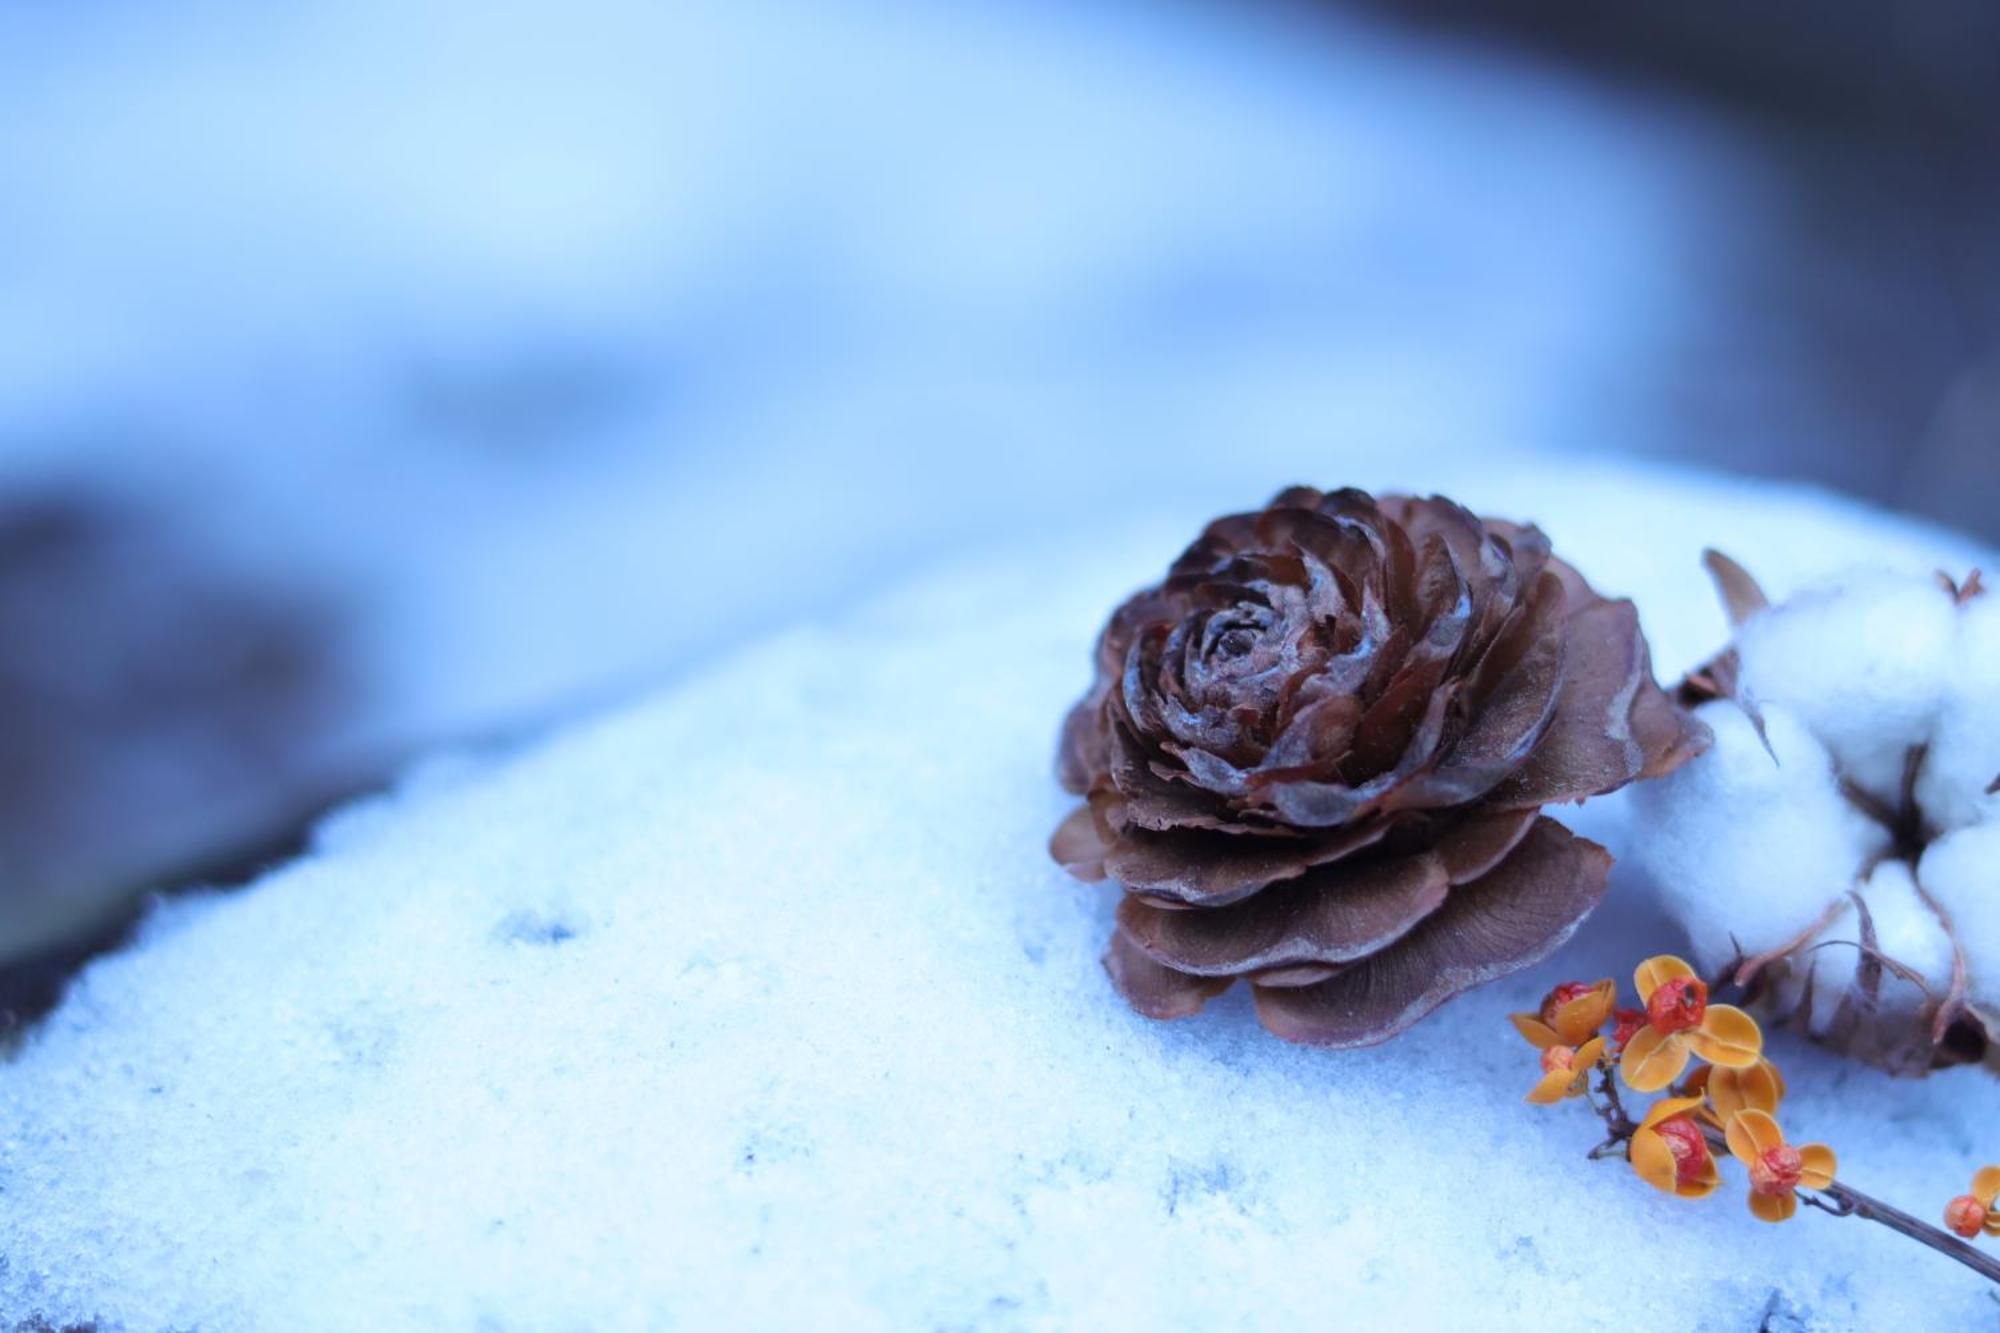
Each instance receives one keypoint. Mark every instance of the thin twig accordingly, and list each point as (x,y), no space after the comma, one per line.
(1854,1203)
(1838,1199)
(1618,1119)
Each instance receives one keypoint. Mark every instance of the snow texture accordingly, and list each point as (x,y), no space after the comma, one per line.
(760,1005)
(1753,845)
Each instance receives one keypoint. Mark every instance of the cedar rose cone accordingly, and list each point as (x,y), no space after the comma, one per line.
(1315,758)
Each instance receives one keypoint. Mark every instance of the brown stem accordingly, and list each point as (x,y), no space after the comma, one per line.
(1622,1125)
(1839,1199)
(1851,1202)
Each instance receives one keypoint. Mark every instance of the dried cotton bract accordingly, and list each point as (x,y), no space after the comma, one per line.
(1838,850)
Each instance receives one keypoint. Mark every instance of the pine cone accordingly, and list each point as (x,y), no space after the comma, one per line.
(1316,754)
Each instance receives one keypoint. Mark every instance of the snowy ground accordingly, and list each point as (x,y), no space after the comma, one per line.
(533,353)
(759,1005)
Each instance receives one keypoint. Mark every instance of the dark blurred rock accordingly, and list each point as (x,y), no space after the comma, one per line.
(1925,70)
(159,715)
(1854,339)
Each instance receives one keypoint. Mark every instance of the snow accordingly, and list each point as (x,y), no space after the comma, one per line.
(758,1004)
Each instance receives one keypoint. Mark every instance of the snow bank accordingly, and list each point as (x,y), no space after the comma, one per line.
(760,1005)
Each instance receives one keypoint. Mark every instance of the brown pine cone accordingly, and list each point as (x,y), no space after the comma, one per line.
(1316,754)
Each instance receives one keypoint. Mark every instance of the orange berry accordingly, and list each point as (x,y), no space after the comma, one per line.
(1678,1005)
(1965,1215)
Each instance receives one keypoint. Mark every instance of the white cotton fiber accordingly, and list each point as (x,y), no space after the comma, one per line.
(1962,872)
(1904,929)
(1863,663)
(1748,849)
(1965,751)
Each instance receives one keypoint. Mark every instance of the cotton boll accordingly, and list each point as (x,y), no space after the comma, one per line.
(1822,864)
(1748,851)
(1863,664)
(1962,872)
(1964,757)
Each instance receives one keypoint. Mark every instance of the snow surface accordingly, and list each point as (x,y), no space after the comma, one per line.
(760,1005)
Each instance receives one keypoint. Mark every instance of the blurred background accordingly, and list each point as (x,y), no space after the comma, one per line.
(383,374)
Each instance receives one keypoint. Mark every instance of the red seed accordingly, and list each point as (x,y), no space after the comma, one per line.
(1690,1149)
(1965,1215)
(1777,1171)
(1678,1005)
(1553,1002)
